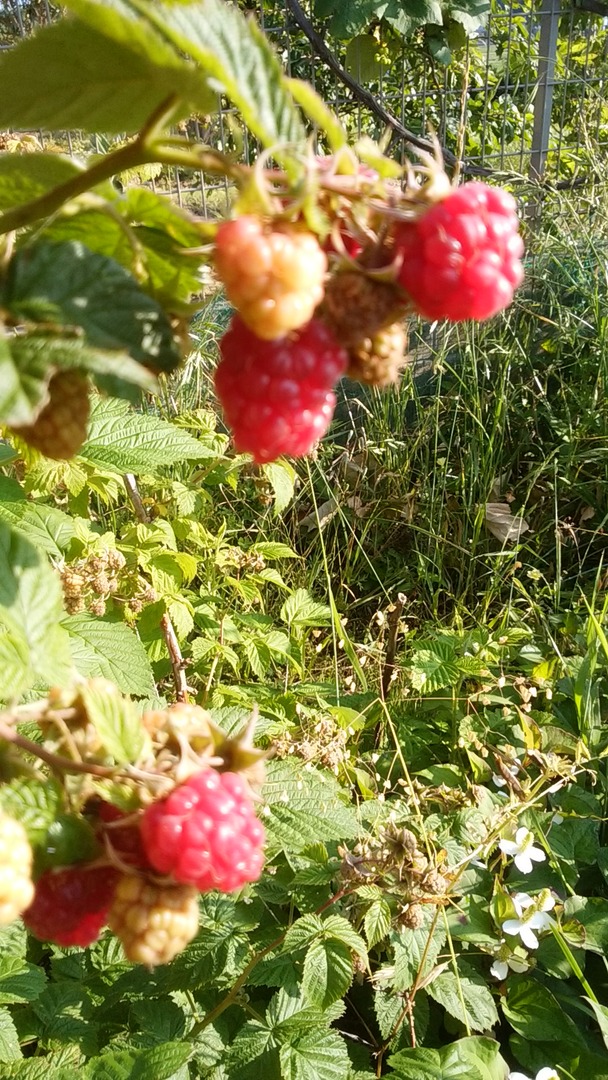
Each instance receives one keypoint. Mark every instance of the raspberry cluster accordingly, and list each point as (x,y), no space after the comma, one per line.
(455,254)
(203,836)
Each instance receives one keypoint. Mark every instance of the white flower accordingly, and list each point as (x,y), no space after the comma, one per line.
(532,916)
(523,851)
(500,968)
(545,1074)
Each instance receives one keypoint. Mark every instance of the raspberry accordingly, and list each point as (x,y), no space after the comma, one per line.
(273,276)
(277,397)
(377,361)
(462,259)
(357,307)
(124,840)
(61,425)
(71,905)
(16,887)
(205,833)
(153,922)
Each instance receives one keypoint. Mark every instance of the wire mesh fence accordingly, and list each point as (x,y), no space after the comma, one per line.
(524,98)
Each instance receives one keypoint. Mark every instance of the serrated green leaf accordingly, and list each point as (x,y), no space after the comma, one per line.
(157,1063)
(377,922)
(9,1040)
(69,75)
(110,650)
(434,667)
(71,286)
(301,610)
(536,1014)
(274,549)
(282,478)
(30,609)
(32,803)
(236,55)
(131,442)
(19,980)
(342,930)
(328,972)
(315,1055)
(115,719)
(304,805)
(465,996)
(48,528)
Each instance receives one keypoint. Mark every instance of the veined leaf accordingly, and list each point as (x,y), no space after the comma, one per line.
(236,57)
(473,1058)
(135,442)
(9,1040)
(35,805)
(328,972)
(71,286)
(282,478)
(305,805)
(71,75)
(20,981)
(27,176)
(465,996)
(110,650)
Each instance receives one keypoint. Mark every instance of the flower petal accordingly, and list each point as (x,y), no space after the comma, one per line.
(518,1076)
(523,863)
(509,847)
(499,970)
(547,1074)
(528,936)
(523,837)
(512,926)
(536,854)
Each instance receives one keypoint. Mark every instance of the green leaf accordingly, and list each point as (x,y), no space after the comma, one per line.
(282,479)
(328,972)
(19,980)
(434,667)
(72,286)
(318,112)
(157,1063)
(601,1015)
(69,75)
(473,1058)
(49,529)
(22,390)
(9,1040)
(348,19)
(535,1013)
(314,1055)
(342,930)
(236,55)
(34,804)
(592,914)
(30,609)
(361,58)
(301,610)
(465,996)
(27,176)
(377,922)
(110,650)
(414,953)
(274,549)
(304,805)
(115,719)
(131,442)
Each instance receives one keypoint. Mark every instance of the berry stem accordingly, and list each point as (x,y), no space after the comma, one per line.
(54,761)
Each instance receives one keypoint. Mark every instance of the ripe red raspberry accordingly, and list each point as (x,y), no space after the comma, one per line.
(205,833)
(153,922)
(61,425)
(16,887)
(277,397)
(71,905)
(462,259)
(273,276)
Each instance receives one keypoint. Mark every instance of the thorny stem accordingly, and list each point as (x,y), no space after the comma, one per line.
(166,625)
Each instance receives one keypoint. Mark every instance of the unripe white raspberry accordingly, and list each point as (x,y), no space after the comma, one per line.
(153,922)
(16,886)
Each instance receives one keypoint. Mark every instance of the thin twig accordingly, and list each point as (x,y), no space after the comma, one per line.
(366,98)
(166,625)
(54,761)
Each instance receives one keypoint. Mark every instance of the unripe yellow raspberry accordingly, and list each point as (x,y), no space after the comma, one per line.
(16,886)
(153,922)
(61,425)
(274,276)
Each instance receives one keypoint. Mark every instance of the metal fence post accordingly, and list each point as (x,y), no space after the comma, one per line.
(543,101)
